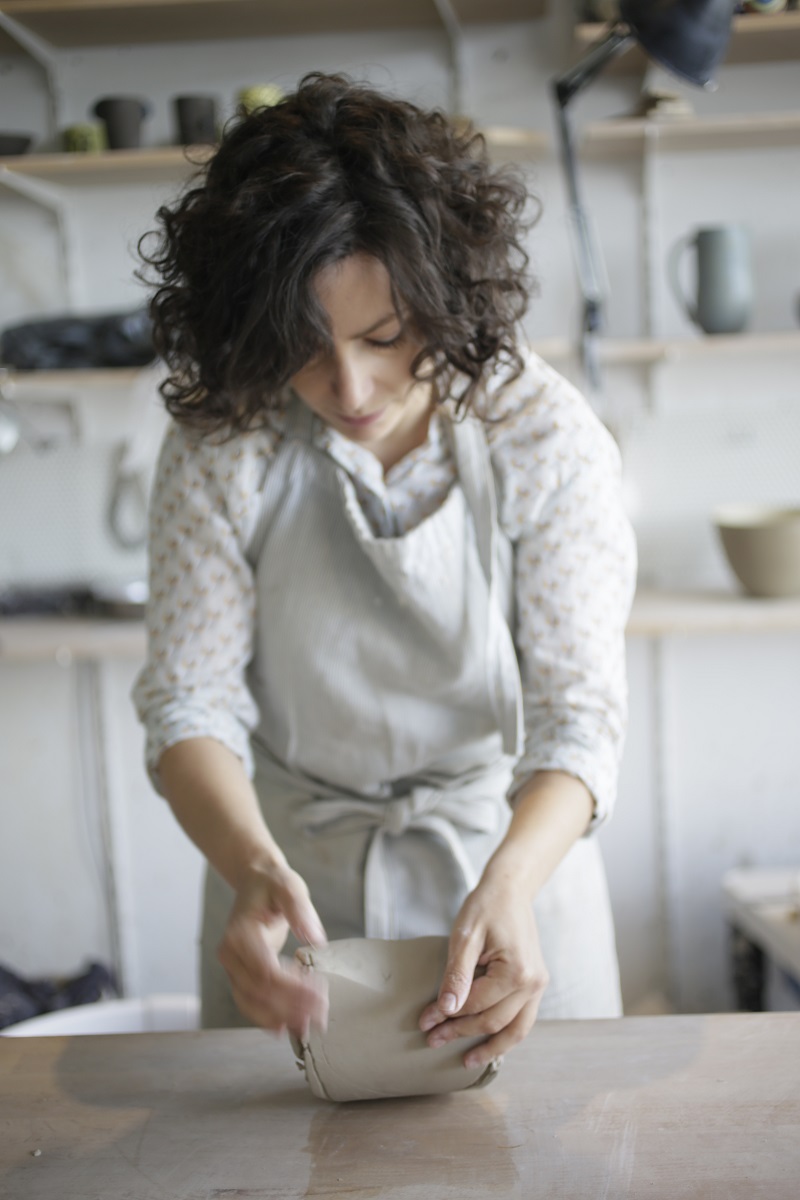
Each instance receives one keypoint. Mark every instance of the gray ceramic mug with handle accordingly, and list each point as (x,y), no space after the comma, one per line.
(724,278)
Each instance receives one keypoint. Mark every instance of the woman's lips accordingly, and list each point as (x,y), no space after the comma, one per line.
(360,422)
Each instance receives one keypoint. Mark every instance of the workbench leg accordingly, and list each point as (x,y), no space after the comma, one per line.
(748,971)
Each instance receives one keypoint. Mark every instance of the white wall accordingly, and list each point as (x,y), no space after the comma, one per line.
(711,772)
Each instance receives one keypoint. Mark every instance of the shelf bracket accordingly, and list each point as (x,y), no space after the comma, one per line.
(53,200)
(455,37)
(44,54)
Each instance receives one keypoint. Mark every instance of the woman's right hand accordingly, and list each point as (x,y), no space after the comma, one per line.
(273,992)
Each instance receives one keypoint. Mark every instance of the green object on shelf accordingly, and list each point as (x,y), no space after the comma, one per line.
(261,95)
(85,138)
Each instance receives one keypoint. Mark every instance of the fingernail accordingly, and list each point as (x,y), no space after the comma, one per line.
(429,1022)
(470,1062)
(449,1002)
(436,1041)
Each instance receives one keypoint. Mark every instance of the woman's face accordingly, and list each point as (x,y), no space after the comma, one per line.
(363,387)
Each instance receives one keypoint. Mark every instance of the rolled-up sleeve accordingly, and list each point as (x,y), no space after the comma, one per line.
(201,610)
(575,574)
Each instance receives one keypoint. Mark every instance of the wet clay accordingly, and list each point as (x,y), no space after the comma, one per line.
(373,1047)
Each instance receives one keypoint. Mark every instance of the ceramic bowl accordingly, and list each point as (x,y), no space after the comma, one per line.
(15,143)
(762,546)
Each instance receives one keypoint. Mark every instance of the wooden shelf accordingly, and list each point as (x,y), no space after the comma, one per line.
(67,639)
(50,385)
(602,139)
(162,164)
(631,135)
(69,23)
(654,614)
(516,144)
(754,39)
(67,385)
(650,351)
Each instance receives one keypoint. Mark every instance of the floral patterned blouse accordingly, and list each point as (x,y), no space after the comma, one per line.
(559,502)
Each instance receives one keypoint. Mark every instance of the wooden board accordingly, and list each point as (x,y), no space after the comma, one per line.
(668,1108)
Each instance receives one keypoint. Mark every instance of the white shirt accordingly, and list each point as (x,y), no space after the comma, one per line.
(559,503)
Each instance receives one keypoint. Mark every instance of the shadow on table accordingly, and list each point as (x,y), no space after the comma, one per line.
(149,1116)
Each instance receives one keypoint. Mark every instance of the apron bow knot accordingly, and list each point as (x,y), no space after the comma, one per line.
(472,806)
(396,818)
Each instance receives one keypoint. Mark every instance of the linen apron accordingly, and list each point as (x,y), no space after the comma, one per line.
(390,718)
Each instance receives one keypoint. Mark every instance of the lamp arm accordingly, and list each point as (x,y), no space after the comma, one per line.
(585,250)
(564,89)
(578,77)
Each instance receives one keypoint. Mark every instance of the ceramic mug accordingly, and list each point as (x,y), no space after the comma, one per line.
(724,290)
(122,116)
(197,119)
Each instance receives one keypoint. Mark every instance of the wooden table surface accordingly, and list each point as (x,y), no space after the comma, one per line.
(657,1107)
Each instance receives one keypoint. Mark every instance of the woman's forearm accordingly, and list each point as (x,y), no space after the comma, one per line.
(550,813)
(215,803)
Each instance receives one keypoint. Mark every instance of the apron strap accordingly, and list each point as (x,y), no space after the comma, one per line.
(299,429)
(476,476)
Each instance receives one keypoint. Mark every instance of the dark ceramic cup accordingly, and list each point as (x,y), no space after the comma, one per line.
(122,116)
(197,119)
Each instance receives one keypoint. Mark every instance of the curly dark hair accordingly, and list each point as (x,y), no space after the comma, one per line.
(334,169)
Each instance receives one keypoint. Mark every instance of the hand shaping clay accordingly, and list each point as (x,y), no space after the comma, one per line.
(373,1047)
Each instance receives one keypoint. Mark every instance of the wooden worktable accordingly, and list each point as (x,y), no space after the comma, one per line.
(657,1107)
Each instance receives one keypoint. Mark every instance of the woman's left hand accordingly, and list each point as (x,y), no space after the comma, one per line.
(494,978)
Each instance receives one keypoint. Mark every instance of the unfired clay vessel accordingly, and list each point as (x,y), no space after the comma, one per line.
(373,1047)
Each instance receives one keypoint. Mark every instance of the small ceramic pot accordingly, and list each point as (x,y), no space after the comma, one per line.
(197,119)
(123,117)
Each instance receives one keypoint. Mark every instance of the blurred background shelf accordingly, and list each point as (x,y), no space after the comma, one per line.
(741,132)
(650,351)
(157,165)
(602,139)
(754,39)
(70,23)
(654,614)
(161,164)
(65,640)
(47,385)
(53,385)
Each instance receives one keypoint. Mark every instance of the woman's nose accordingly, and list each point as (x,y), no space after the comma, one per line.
(352,385)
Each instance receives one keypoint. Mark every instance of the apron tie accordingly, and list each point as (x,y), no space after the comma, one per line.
(423,808)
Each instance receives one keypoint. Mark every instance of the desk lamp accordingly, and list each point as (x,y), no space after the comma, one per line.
(689,38)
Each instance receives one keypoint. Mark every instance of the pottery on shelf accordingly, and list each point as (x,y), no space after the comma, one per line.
(123,117)
(762,545)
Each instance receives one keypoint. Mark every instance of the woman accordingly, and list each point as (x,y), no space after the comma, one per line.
(385,692)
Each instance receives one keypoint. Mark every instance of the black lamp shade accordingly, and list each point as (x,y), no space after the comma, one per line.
(688,37)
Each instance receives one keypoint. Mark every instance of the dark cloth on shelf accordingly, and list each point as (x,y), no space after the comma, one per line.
(75,342)
(21,999)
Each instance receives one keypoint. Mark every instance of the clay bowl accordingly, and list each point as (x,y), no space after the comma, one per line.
(14,143)
(762,546)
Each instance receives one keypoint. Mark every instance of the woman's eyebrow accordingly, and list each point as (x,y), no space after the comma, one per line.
(392,316)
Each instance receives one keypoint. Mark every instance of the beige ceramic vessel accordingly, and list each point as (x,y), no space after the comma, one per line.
(763,547)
